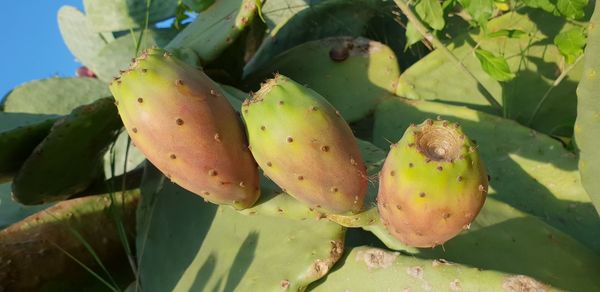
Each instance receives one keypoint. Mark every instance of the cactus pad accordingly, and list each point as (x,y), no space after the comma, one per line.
(70,157)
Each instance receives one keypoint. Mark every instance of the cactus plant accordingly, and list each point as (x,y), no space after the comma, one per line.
(205,151)
(538,229)
(342,78)
(58,168)
(587,129)
(35,251)
(432,184)
(302,143)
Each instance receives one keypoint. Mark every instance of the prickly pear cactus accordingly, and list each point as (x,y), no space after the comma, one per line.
(302,143)
(183,124)
(432,184)
(69,159)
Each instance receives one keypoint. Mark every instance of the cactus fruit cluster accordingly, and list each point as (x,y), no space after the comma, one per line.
(307,145)
(180,119)
(432,185)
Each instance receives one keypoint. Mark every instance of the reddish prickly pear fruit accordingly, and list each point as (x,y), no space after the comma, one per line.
(84,71)
(432,184)
(182,122)
(302,144)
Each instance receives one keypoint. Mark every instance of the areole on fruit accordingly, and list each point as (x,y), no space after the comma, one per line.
(182,122)
(432,185)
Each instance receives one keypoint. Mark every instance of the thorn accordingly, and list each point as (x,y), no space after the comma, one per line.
(179,121)
(325,148)
(290,139)
(212,172)
(140,100)
(179,82)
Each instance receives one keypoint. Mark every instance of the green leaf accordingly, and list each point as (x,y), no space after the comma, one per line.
(119,15)
(545,5)
(431,12)
(412,35)
(55,95)
(480,10)
(570,43)
(572,9)
(587,126)
(494,65)
(510,33)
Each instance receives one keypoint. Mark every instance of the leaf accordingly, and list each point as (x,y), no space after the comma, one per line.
(494,65)
(533,58)
(570,43)
(431,12)
(572,9)
(480,10)
(587,126)
(412,35)
(545,5)
(510,33)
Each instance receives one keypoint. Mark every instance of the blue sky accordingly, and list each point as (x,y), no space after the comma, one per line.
(32,47)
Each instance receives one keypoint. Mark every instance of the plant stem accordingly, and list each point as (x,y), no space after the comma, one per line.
(422,29)
(554,84)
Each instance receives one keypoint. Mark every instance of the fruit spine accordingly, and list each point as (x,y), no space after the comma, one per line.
(179,118)
(301,143)
(432,185)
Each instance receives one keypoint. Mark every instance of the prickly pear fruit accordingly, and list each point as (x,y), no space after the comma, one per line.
(432,184)
(182,122)
(301,143)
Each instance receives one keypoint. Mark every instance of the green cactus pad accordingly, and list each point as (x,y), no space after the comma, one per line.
(535,68)
(501,229)
(70,157)
(11,211)
(353,74)
(218,28)
(30,250)
(120,15)
(120,150)
(234,96)
(19,134)
(432,184)
(372,269)
(182,122)
(293,22)
(117,55)
(528,170)
(587,128)
(198,247)
(55,95)
(77,33)
(198,5)
(302,143)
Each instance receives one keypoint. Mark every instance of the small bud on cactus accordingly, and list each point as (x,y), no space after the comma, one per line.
(432,185)
(182,122)
(305,147)
(84,71)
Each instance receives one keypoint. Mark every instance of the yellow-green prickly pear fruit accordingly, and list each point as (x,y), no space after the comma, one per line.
(179,118)
(302,144)
(432,185)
